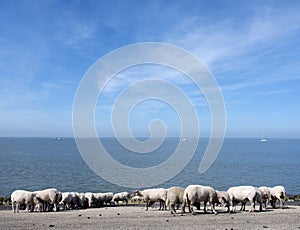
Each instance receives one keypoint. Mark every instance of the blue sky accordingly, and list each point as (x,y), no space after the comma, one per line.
(251,47)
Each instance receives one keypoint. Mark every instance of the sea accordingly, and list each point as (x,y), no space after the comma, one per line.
(38,163)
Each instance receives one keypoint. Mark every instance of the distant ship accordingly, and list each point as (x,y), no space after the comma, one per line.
(263,139)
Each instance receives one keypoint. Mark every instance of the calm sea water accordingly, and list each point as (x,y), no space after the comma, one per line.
(38,163)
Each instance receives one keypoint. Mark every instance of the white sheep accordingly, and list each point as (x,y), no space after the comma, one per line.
(174,197)
(108,197)
(99,199)
(102,198)
(47,197)
(20,197)
(277,193)
(75,202)
(198,193)
(121,196)
(66,200)
(82,200)
(266,195)
(258,199)
(90,199)
(243,194)
(150,196)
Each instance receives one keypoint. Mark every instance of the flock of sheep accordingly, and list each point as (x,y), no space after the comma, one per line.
(192,195)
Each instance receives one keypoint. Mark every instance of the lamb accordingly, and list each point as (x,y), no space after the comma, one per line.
(266,195)
(277,193)
(20,197)
(198,193)
(49,196)
(136,199)
(244,194)
(225,199)
(151,196)
(174,196)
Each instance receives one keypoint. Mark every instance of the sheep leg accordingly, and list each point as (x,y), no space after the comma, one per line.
(205,202)
(260,206)
(281,199)
(191,208)
(281,203)
(243,206)
(252,209)
(55,207)
(198,205)
(273,202)
(13,206)
(27,207)
(164,205)
(147,204)
(172,208)
(212,205)
(190,205)
(17,207)
(233,205)
(183,206)
(265,204)
(161,205)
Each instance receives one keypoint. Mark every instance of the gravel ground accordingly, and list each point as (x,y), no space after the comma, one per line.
(135,217)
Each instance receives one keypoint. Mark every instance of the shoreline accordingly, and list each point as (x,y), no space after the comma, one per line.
(135,217)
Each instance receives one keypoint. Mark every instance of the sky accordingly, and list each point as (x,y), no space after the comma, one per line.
(252,49)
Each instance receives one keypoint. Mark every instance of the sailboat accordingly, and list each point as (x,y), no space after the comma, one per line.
(263,139)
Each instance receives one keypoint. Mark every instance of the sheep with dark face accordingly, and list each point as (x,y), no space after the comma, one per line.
(224,199)
(277,193)
(66,200)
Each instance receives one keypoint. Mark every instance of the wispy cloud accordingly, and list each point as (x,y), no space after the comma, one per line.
(229,42)
(272,92)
